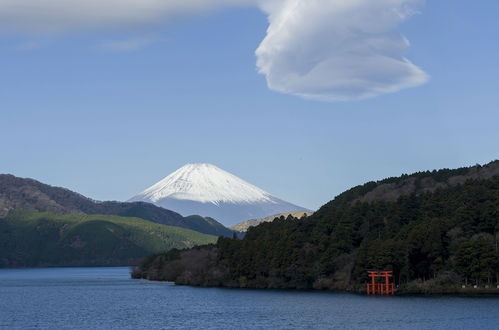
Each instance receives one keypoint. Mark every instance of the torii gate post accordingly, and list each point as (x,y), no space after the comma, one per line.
(380,288)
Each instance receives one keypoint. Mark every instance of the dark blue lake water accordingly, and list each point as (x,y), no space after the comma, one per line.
(106,298)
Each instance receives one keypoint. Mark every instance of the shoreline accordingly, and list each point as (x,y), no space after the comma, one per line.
(466,292)
(440,291)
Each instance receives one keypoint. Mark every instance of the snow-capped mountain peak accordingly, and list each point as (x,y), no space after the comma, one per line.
(207,190)
(205,183)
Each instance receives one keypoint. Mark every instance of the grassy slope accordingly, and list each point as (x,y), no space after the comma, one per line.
(31,195)
(46,239)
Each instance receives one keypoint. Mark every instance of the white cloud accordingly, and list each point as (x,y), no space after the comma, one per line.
(334,50)
(338,50)
(55,16)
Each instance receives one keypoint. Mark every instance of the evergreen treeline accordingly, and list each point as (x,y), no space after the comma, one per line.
(433,239)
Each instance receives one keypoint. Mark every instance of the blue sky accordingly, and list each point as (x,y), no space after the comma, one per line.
(107,111)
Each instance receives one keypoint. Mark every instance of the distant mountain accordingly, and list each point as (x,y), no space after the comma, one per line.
(436,230)
(210,191)
(31,195)
(34,239)
(244,226)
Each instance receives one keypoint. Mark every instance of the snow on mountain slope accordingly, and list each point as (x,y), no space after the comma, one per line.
(205,183)
(207,190)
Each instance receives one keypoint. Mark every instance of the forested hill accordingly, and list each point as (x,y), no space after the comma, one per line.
(391,189)
(35,239)
(30,195)
(437,230)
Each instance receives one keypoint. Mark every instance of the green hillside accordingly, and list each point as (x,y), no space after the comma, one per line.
(31,195)
(30,239)
(436,230)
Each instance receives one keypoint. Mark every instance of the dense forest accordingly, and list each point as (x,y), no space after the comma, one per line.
(436,230)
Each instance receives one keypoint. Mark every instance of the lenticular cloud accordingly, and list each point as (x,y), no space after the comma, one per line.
(337,50)
(333,50)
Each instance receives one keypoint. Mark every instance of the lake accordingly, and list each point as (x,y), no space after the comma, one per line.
(89,298)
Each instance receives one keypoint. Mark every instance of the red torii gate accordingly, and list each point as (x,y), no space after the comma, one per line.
(377,285)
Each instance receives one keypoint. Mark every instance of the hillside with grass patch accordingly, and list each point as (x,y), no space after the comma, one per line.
(36,239)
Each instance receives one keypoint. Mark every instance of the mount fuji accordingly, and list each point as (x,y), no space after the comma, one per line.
(207,190)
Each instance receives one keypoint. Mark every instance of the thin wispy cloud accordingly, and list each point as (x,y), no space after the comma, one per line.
(332,50)
(62,16)
(29,45)
(126,45)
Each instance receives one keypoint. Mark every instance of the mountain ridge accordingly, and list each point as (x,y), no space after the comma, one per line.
(390,189)
(31,195)
(244,226)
